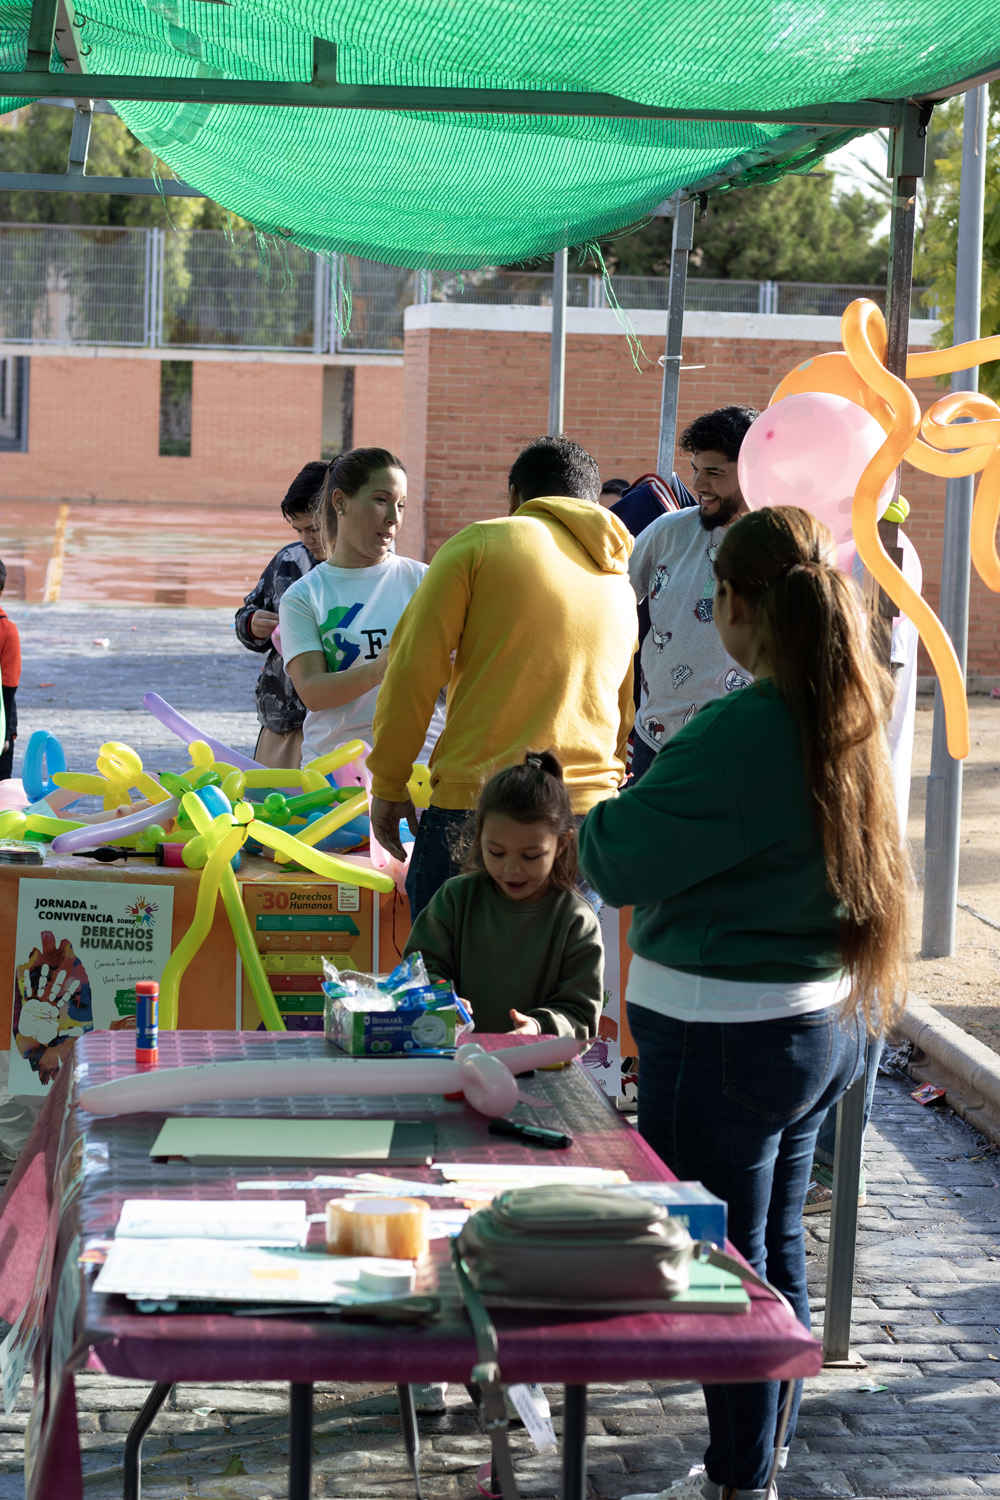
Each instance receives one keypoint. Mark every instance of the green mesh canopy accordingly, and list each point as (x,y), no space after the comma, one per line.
(468,190)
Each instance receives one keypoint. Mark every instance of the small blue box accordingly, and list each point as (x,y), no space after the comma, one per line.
(701,1212)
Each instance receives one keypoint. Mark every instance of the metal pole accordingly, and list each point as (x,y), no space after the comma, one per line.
(843,1226)
(907,153)
(557,365)
(943,817)
(682,243)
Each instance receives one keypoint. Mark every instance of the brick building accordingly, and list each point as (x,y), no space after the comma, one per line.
(469,390)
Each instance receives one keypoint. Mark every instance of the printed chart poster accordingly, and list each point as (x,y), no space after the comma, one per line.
(81,947)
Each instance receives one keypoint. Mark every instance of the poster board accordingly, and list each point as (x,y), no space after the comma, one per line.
(80,948)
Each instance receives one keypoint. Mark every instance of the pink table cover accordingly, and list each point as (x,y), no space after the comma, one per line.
(78,1169)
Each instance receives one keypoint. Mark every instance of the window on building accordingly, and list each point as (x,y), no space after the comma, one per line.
(14,404)
(338,410)
(175,408)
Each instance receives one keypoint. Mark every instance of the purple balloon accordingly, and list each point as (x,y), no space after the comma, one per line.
(186,731)
(113,829)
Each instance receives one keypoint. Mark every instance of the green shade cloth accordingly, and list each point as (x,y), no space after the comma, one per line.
(468,190)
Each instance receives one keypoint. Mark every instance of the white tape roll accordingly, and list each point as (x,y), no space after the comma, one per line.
(391,1278)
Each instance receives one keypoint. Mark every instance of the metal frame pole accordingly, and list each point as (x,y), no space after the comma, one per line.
(557,359)
(907,154)
(943,816)
(682,244)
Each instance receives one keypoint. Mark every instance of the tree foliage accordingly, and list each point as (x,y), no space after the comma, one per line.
(36,139)
(798,229)
(938,251)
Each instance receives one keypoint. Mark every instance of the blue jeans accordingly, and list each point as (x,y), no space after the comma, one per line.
(438,854)
(827,1138)
(737,1107)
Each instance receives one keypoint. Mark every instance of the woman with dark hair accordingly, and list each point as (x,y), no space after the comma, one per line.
(336,622)
(763,854)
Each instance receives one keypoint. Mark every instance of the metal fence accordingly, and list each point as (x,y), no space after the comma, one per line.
(203,289)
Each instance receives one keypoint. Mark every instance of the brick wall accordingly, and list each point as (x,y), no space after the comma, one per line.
(474,396)
(378,407)
(93,431)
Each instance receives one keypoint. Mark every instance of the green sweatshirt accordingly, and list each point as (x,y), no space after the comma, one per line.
(717,849)
(544,958)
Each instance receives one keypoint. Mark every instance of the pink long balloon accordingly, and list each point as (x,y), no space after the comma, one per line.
(487,1079)
(186,731)
(113,829)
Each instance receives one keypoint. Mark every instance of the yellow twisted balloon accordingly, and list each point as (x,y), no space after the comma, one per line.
(860,375)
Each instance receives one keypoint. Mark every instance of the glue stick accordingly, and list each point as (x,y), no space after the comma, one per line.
(147,1031)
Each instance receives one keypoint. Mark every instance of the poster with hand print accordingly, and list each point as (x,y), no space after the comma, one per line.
(81,948)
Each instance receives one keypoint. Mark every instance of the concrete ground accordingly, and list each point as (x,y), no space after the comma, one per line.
(923,1419)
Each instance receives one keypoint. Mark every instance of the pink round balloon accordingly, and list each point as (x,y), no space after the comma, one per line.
(810,450)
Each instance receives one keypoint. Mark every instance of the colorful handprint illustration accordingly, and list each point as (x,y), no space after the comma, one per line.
(52,1005)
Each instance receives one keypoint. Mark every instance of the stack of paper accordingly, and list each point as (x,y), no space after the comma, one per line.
(255,1223)
(164,1270)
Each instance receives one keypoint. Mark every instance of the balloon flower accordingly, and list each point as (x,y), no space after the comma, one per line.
(818,445)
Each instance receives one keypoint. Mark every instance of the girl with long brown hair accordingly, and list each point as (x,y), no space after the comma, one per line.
(762,853)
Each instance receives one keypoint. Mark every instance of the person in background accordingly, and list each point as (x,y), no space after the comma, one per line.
(763,854)
(683,663)
(530,620)
(611,490)
(10,676)
(280,711)
(514,924)
(336,621)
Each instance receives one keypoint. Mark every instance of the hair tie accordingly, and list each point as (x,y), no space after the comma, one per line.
(535,761)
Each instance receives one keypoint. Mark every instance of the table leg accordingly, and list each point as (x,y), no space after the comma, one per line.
(132,1476)
(300,1442)
(411,1436)
(575,1443)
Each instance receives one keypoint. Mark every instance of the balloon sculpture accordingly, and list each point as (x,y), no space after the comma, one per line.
(838,427)
(208,812)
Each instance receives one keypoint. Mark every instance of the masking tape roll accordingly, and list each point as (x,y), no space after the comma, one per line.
(396,1228)
(391,1278)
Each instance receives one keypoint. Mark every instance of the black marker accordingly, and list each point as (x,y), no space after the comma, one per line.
(532,1135)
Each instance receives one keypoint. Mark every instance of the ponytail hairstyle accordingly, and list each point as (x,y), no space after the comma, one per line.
(533,792)
(348,473)
(813,642)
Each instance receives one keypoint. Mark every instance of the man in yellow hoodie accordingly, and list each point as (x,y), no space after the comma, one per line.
(530,622)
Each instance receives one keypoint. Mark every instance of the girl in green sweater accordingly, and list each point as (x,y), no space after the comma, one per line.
(515,937)
(763,856)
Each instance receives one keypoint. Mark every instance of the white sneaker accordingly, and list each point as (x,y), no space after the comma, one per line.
(698,1486)
(429,1397)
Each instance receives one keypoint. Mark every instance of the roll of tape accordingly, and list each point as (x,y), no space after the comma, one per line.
(396,1228)
(391,1278)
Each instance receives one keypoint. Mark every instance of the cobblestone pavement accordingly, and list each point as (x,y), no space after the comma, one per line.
(922,1420)
(85,692)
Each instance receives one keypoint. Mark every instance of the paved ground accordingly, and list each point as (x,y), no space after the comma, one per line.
(922,1420)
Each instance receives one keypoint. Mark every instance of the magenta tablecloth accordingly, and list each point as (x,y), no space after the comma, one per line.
(100,1162)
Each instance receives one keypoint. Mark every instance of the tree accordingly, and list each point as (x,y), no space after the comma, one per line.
(36,139)
(798,229)
(939,248)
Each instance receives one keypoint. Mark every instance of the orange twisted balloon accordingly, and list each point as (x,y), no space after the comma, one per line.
(860,375)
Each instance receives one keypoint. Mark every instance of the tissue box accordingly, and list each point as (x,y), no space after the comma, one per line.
(388,1032)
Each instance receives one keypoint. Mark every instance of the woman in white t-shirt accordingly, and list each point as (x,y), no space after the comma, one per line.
(336,622)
